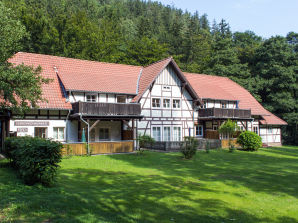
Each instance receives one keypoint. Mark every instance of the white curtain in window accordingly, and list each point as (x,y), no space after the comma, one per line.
(156,132)
(177,133)
(167,134)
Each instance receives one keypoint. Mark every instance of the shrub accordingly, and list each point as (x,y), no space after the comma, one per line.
(249,140)
(35,159)
(189,147)
(144,140)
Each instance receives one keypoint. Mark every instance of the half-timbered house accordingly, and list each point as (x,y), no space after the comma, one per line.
(109,104)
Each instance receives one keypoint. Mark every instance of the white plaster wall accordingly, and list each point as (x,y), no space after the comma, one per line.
(52,124)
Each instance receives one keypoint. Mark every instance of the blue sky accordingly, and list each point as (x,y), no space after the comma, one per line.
(264,17)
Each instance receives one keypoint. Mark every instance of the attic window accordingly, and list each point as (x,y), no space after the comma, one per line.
(166,88)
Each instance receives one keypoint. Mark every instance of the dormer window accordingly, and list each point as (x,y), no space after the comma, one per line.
(91,98)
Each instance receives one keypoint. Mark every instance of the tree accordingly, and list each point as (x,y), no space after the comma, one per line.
(20,86)
(229,128)
(277,70)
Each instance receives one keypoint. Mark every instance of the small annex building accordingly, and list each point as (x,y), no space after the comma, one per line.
(109,104)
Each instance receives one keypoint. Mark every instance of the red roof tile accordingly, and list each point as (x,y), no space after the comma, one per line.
(215,87)
(52,92)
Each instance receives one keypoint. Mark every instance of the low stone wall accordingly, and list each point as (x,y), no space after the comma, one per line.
(213,143)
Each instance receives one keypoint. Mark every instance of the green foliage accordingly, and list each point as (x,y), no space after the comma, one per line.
(189,147)
(20,86)
(229,128)
(35,159)
(144,140)
(249,140)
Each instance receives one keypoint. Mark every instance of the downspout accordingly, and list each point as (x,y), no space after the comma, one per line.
(66,125)
(87,130)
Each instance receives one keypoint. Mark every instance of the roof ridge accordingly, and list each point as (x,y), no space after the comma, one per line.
(210,75)
(158,61)
(69,58)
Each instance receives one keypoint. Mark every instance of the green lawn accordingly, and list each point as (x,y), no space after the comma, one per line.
(161,187)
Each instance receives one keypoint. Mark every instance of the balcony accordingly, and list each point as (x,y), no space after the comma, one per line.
(224,113)
(90,109)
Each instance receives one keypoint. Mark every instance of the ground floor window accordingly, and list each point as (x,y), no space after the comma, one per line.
(215,127)
(104,134)
(58,133)
(176,133)
(167,133)
(40,132)
(256,129)
(156,133)
(199,130)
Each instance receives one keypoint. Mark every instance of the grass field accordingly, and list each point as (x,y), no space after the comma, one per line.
(161,187)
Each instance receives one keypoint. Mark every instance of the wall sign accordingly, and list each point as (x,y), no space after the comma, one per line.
(22,129)
(31,123)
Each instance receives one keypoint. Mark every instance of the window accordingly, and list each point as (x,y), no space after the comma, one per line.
(270,130)
(176,103)
(204,104)
(223,105)
(40,132)
(58,133)
(199,130)
(176,133)
(91,98)
(256,129)
(166,103)
(155,102)
(167,88)
(104,134)
(156,133)
(215,127)
(121,99)
(167,133)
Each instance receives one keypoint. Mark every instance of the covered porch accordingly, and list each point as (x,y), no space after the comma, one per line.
(105,127)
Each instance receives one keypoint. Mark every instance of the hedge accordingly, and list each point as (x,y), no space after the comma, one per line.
(35,159)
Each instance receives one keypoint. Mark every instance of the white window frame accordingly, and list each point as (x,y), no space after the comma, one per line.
(45,134)
(176,99)
(152,132)
(57,138)
(215,127)
(163,102)
(224,105)
(197,130)
(166,88)
(155,103)
(86,97)
(163,133)
(179,136)
(270,130)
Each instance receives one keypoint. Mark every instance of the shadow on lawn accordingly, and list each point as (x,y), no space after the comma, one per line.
(84,195)
(257,171)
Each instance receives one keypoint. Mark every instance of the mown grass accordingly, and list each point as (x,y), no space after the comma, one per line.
(161,187)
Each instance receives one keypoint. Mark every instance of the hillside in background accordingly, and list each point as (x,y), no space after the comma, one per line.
(141,32)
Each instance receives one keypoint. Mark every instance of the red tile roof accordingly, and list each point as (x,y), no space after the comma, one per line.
(52,92)
(215,87)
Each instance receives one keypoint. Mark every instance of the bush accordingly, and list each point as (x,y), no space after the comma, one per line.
(35,159)
(144,140)
(249,140)
(189,147)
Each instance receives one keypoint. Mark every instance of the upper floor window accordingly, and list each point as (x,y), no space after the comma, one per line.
(166,88)
(121,99)
(223,105)
(270,130)
(166,103)
(155,102)
(91,98)
(176,103)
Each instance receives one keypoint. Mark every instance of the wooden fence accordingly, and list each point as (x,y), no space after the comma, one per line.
(97,148)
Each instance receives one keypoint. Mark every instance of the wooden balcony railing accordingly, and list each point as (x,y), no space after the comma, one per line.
(107,109)
(224,113)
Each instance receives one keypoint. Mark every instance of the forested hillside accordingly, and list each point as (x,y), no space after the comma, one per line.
(139,32)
